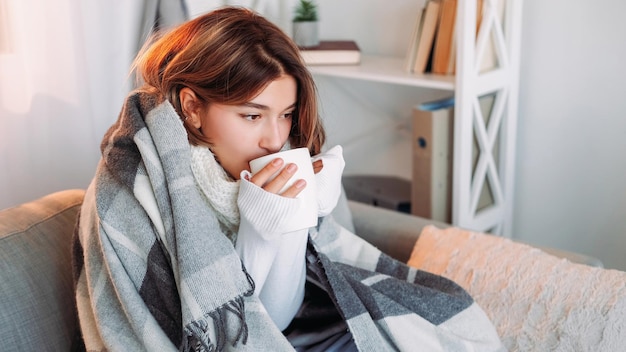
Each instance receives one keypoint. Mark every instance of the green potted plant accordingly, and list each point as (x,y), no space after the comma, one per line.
(305,28)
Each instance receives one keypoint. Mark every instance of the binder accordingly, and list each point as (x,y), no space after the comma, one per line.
(431,187)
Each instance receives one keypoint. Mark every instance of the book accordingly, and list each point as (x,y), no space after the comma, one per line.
(431,188)
(427,36)
(451,69)
(442,51)
(411,52)
(332,52)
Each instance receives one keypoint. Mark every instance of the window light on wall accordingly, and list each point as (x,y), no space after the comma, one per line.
(5,27)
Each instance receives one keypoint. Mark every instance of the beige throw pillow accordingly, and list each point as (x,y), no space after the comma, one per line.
(538,302)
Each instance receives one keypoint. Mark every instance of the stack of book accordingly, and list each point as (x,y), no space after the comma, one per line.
(432,47)
(332,52)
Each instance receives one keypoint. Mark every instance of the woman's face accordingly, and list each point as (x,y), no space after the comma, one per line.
(240,133)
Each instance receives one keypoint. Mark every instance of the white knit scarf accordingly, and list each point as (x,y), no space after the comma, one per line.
(219,189)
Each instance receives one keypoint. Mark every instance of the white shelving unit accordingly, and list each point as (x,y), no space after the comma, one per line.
(386,69)
(477,169)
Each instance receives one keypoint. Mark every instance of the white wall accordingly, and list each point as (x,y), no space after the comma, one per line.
(571,165)
(571,169)
(371,120)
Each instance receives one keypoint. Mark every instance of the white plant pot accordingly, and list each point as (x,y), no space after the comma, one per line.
(305,34)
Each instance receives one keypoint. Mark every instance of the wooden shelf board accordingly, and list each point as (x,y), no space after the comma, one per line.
(385,69)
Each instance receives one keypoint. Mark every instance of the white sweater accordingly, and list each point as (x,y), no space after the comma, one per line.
(274,259)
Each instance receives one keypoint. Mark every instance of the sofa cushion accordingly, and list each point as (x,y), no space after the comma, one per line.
(537,301)
(37,310)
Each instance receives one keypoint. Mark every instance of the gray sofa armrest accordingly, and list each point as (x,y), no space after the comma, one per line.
(392,232)
(36,286)
(395,233)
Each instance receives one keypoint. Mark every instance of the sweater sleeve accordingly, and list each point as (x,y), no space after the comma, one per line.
(328,180)
(274,260)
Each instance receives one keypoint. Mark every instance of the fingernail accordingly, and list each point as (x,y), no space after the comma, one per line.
(300,184)
(277,161)
(292,167)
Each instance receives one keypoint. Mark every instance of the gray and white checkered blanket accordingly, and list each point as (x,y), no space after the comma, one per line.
(155,272)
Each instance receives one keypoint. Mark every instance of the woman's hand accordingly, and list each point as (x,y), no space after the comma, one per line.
(263,178)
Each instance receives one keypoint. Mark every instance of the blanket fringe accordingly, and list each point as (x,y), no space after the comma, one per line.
(197,337)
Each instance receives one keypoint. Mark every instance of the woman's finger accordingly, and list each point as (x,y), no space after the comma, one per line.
(275,185)
(260,178)
(295,189)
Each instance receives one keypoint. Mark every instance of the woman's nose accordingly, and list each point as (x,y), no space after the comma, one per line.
(272,139)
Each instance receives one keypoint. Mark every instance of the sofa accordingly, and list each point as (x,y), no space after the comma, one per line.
(538,299)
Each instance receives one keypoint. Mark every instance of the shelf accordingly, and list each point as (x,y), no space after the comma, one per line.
(385,69)
(476,166)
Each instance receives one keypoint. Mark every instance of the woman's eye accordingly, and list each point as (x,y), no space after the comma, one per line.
(251,117)
(288,115)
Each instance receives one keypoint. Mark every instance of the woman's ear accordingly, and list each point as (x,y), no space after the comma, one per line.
(190,106)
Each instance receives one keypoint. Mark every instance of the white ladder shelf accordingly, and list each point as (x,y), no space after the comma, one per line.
(475,167)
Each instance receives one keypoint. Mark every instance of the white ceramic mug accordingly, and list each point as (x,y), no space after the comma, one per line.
(306,214)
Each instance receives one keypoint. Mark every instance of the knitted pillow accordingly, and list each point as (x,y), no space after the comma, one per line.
(537,301)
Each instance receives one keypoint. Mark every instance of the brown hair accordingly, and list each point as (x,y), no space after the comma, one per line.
(229,56)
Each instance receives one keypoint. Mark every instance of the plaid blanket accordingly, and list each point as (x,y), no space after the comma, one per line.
(155,272)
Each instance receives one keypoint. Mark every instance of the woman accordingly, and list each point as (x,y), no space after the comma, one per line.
(180,247)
